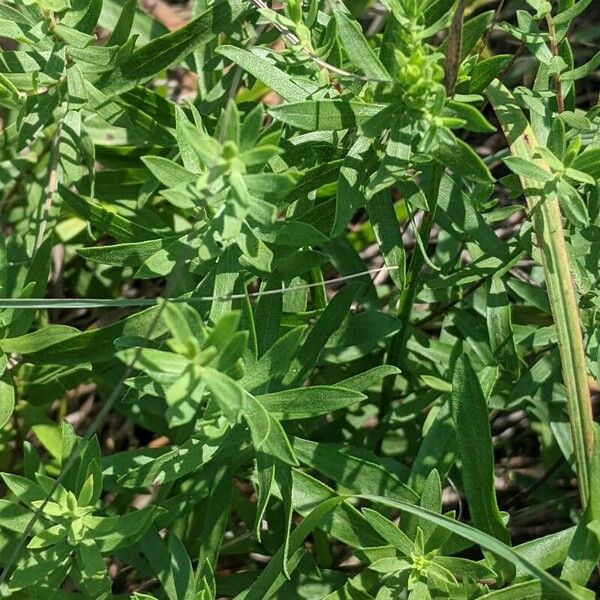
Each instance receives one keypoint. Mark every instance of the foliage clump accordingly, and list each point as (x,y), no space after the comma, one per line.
(299,300)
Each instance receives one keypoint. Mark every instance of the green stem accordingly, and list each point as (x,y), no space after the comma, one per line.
(547,224)
(397,349)
(432,177)
(318,291)
(560,102)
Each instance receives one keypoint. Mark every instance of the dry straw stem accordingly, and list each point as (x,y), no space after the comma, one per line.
(547,223)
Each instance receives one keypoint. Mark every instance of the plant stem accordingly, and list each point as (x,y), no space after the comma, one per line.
(51,188)
(397,348)
(547,224)
(319,292)
(432,176)
(560,102)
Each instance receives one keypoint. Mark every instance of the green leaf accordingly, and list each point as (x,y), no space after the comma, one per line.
(345,522)
(435,10)
(131,254)
(572,204)
(168,172)
(588,162)
(107,221)
(44,570)
(324,328)
(171,564)
(474,120)
(138,472)
(38,340)
(83,15)
(330,115)
(367,379)
(76,86)
(34,286)
(264,70)
(228,393)
(574,10)
(437,448)
(94,579)
(530,590)
(258,420)
(303,403)
(255,251)
(351,472)
(352,177)
(122,28)
(7,399)
(26,491)
(500,329)
(486,71)
(389,532)
(124,531)
(527,168)
(275,362)
(389,236)
(547,551)
(359,53)
(15,517)
(171,48)
(98,345)
(215,522)
(470,415)
(582,71)
(462,159)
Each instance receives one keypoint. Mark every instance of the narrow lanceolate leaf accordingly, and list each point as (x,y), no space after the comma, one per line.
(171,565)
(436,450)
(7,398)
(574,10)
(354,473)
(328,115)
(168,172)
(118,227)
(329,322)
(531,590)
(389,237)
(122,29)
(547,222)
(352,177)
(215,522)
(83,15)
(588,162)
(273,77)
(462,159)
(357,48)
(500,329)
(37,340)
(303,403)
(470,415)
(171,48)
